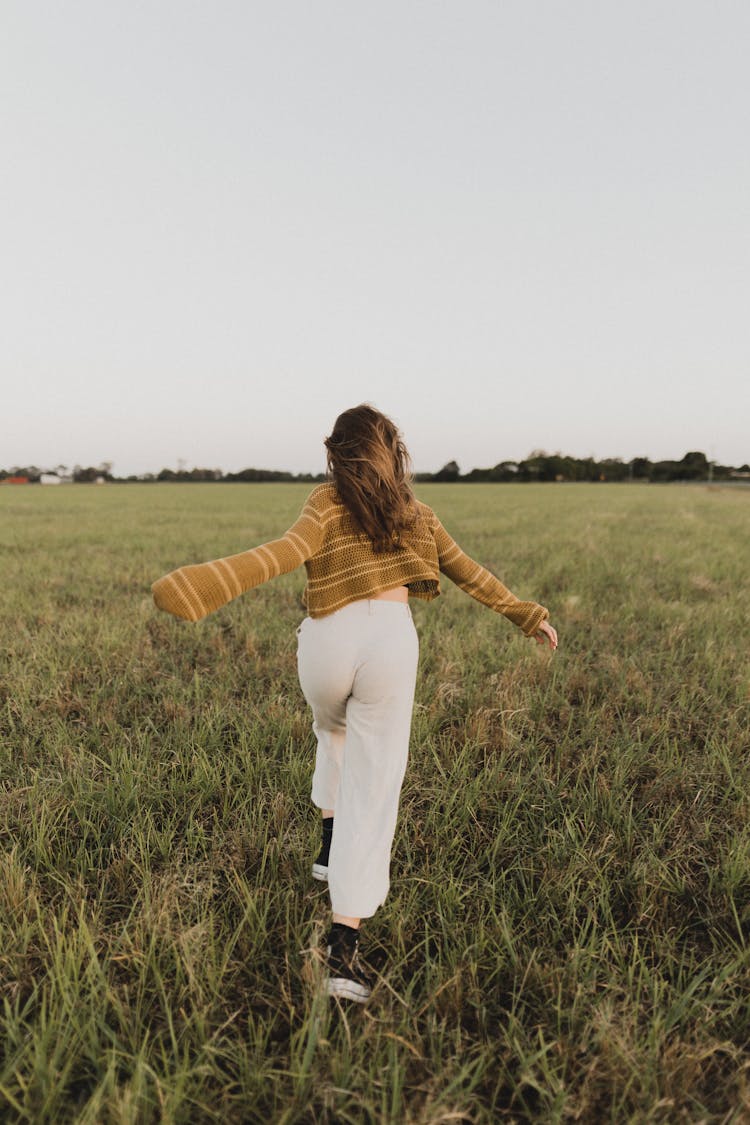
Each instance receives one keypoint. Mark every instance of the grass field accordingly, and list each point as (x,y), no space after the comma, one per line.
(566,936)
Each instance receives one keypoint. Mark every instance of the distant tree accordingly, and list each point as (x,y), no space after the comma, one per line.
(537,466)
(666,470)
(85,476)
(588,468)
(640,468)
(560,468)
(201,475)
(613,468)
(505,470)
(695,466)
(449,472)
(259,475)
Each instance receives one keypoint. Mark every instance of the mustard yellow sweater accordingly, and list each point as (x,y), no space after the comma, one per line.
(342,567)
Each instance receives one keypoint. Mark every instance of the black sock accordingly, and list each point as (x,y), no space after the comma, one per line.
(344,930)
(325,848)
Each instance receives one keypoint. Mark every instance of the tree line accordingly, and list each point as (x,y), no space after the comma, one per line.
(542,466)
(538,466)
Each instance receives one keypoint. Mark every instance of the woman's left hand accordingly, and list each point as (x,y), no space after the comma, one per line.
(545,633)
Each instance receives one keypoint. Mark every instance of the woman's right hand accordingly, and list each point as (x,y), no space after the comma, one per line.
(546,634)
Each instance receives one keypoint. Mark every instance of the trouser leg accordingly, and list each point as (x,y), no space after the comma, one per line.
(325,663)
(329,755)
(358,672)
(377,748)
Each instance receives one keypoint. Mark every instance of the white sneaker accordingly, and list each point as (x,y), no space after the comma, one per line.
(346,976)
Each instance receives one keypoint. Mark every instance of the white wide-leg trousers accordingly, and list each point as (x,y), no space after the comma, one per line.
(357,670)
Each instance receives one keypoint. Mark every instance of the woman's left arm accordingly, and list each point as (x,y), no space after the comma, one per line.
(482,585)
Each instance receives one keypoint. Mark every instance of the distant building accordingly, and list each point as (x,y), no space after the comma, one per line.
(53,478)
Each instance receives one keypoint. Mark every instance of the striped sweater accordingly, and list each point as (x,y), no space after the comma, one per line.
(342,567)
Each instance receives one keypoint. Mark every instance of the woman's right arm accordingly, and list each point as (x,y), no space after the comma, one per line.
(192,592)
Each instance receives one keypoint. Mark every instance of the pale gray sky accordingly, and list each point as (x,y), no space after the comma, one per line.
(510,225)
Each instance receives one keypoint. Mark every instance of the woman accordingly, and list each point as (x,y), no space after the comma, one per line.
(367,545)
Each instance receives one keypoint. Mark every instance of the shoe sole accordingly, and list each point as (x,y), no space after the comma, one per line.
(319,872)
(347,989)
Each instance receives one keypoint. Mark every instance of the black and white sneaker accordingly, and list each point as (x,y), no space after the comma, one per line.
(346,976)
(320,866)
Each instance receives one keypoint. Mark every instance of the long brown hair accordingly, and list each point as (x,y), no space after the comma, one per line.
(371,470)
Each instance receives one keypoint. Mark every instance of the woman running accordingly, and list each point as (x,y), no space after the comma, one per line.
(368,545)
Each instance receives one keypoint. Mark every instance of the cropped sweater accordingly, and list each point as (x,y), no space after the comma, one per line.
(342,567)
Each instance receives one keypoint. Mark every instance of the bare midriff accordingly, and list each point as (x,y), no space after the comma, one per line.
(396,594)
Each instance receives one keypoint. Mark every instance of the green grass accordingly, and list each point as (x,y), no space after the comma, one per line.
(566,936)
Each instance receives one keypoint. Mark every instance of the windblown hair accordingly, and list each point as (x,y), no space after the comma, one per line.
(371,471)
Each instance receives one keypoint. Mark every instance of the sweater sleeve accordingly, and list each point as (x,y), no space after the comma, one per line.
(192,592)
(482,585)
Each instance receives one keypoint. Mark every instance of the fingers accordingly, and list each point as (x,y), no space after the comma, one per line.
(547,632)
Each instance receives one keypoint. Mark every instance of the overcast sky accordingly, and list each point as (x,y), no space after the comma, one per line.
(509,225)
